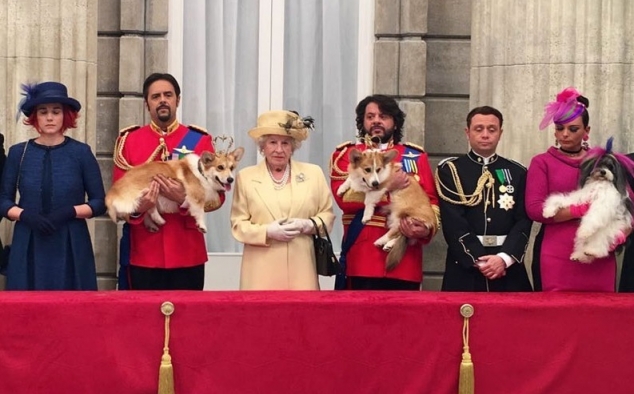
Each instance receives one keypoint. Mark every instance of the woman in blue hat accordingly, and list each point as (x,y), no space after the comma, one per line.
(60,186)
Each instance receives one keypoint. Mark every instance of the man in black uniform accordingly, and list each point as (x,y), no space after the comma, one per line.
(482,211)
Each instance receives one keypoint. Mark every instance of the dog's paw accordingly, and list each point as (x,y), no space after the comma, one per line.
(366,218)
(380,242)
(202,229)
(550,210)
(581,257)
(342,190)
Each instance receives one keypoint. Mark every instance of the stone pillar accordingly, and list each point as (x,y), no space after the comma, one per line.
(132,44)
(48,40)
(44,40)
(524,52)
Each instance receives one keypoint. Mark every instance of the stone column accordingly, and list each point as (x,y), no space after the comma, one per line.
(524,52)
(47,40)
(132,44)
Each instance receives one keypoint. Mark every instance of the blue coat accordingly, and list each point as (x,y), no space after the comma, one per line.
(65,259)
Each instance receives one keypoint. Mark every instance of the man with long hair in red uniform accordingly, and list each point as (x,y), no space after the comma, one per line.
(380,120)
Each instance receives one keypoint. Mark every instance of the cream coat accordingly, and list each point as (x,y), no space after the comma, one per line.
(269,264)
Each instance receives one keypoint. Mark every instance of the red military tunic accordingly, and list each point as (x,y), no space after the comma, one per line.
(363,258)
(178,243)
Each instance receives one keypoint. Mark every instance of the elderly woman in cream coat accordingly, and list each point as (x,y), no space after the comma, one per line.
(273,203)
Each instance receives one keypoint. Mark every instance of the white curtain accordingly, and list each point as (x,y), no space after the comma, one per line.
(220,79)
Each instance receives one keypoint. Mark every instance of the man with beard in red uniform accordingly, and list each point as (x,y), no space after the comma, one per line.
(380,119)
(174,257)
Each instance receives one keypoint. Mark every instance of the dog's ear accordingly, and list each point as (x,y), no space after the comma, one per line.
(355,156)
(585,170)
(237,153)
(207,158)
(620,179)
(389,155)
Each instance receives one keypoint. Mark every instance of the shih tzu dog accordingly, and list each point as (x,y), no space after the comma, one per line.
(603,185)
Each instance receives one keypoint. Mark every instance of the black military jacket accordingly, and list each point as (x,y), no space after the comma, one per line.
(487,206)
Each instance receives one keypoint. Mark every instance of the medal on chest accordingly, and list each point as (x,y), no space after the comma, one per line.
(506,200)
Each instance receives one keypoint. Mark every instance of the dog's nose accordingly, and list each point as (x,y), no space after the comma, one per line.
(375,184)
(229,180)
(602,172)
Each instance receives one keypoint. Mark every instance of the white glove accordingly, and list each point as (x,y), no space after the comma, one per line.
(304,226)
(281,232)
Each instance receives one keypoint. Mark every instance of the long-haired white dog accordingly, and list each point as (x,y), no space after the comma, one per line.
(603,184)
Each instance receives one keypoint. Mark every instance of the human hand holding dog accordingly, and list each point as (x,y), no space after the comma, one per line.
(491,266)
(399,180)
(171,189)
(281,231)
(62,215)
(148,198)
(414,228)
(37,222)
(304,226)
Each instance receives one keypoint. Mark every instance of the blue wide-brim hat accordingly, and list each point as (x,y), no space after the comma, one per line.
(46,93)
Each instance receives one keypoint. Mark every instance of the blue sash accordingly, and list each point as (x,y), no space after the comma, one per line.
(354,229)
(187,144)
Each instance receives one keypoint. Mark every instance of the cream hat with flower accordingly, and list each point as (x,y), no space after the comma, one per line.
(282,123)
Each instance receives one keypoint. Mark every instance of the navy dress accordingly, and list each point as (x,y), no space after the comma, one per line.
(52,177)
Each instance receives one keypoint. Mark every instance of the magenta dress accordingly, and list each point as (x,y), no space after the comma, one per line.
(553,172)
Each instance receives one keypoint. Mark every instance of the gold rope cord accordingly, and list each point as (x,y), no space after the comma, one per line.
(166,371)
(469,200)
(466,380)
(121,162)
(341,174)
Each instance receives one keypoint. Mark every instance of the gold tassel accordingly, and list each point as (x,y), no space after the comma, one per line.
(466,384)
(166,372)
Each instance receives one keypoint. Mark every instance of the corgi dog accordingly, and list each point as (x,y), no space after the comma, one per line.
(202,176)
(369,172)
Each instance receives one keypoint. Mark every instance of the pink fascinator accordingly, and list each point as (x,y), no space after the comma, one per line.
(564,109)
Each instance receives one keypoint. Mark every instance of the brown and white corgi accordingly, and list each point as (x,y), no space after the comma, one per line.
(202,176)
(369,172)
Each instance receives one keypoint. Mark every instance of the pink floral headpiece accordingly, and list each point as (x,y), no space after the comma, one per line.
(564,109)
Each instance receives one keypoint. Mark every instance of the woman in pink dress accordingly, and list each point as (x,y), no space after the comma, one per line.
(554,171)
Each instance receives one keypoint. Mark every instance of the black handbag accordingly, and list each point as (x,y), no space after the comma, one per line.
(325,259)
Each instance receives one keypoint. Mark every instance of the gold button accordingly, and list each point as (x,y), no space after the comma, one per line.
(466,310)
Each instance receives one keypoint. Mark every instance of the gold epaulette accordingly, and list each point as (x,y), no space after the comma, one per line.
(197,128)
(336,172)
(520,165)
(118,157)
(446,160)
(344,144)
(129,129)
(418,147)
(117,154)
